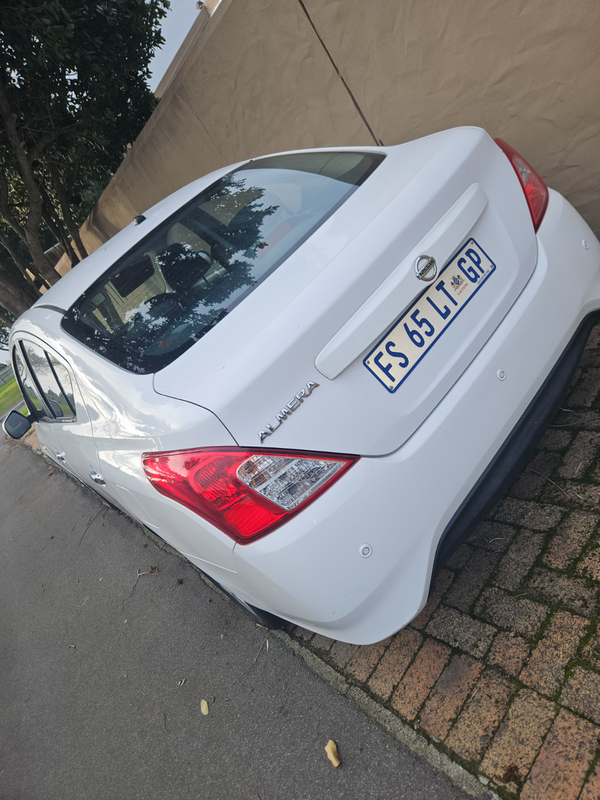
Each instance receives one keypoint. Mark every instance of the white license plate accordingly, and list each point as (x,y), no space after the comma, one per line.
(405,345)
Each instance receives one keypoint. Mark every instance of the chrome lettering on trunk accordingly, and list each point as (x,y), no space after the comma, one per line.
(288,409)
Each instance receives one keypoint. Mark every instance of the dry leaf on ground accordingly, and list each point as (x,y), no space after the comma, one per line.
(332,753)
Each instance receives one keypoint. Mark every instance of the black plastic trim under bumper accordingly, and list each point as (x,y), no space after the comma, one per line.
(514,453)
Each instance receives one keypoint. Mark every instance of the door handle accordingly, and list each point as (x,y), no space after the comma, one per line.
(60,457)
(97,478)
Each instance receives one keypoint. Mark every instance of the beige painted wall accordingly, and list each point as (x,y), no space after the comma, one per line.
(260,78)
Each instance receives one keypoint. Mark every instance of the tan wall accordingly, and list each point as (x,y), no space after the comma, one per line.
(259,80)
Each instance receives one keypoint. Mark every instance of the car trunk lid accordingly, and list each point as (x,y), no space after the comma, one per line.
(314,358)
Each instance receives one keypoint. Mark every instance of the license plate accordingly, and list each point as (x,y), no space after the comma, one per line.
(405,345)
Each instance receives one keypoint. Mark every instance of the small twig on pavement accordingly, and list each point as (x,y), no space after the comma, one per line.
(266,639)
(546,478)
(151,571)
(88,525)
(165,722)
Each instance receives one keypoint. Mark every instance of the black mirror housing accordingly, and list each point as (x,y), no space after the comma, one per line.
(16,425)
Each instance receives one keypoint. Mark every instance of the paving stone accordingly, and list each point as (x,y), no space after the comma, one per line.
(517,614)
(492,536)
(538,516)
(461,630)
(591,652)
(590,564)
(395,662)
(568,541)
(341,653)
(480,717)
(518,740)
(589,358)
(555,440)
(471,580)
(534,477)
(322,642)
(448,695)
(303,634)
(562,590)
(584,495)
(365,660)
(593,339)
(582,693)
(594,474)
(560,768)
(587,389)
(591,790)
(580,455)
(459,557)
(587,420)
(420,678)
(442,582)
(519,559)
(559,644)
(509,652)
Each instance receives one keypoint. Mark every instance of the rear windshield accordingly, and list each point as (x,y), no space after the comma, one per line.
(173,287)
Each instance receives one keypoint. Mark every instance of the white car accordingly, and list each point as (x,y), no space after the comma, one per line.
(312,373)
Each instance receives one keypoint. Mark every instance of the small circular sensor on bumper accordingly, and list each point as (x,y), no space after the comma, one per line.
(365,550)
(501,374)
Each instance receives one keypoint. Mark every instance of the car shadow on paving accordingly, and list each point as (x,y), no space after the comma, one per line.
(501,670)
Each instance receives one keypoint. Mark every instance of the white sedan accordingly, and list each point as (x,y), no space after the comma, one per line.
(313,373)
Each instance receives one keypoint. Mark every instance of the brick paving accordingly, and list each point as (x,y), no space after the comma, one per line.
(501,669)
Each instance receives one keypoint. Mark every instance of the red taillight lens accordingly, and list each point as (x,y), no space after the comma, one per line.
(244,493)
(534,187)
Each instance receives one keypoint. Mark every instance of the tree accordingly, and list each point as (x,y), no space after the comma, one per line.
(73,95)
(4,333)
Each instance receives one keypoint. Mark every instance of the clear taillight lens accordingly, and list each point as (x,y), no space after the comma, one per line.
(536,191)
(244,493)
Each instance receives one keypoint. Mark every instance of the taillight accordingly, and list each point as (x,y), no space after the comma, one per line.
(244,493)
(534,187)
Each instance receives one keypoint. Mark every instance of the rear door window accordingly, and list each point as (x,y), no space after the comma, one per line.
(182,279)
(45,382)
(28,388)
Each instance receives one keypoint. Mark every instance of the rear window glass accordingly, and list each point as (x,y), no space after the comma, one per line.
(181,280)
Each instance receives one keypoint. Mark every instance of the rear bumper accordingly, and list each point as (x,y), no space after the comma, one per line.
(517,448)
(413,504)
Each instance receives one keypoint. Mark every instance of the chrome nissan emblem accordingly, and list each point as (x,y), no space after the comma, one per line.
(425,268)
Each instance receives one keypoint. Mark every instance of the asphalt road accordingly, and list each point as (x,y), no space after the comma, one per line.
(102,673)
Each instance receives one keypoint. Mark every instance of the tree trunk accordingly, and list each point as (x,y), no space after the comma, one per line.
(66,210)
(60,234)
(30,230)
(46,270)
(27,288)
(12,296)
(23,267)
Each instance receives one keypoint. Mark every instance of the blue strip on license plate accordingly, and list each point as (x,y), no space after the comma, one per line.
(396,355)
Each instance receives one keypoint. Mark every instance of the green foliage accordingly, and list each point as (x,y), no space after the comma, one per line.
(75,77)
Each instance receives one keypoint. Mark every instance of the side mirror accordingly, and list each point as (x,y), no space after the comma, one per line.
(16,425)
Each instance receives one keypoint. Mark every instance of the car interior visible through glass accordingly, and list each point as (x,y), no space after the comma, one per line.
(182,279)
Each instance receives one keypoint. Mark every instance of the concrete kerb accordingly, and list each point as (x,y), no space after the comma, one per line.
(399,730)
